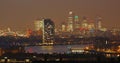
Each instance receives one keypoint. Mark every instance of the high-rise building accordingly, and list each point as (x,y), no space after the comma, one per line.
(98,23)
(47,26)
(38,24)
(70,22)
(76,22)
(91,24)
(76,25)
(63,27)
(85,23)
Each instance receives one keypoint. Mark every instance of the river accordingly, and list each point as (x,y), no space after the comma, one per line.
(52,49)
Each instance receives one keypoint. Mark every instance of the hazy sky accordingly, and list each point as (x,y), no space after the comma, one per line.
(20,14)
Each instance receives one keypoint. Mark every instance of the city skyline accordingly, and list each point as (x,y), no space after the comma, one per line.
(20,14)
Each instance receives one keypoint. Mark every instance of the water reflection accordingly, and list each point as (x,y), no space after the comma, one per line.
(49,48)
(52,49)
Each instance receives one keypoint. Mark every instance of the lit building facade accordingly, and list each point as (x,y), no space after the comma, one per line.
(91,24)
(63,27)
(84,23)
(70,22)
(48,31)
(76,22)
(76,25)
(47,26)
(38,24)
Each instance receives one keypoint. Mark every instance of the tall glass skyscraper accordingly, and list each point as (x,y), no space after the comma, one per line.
(70,22)
(47,26)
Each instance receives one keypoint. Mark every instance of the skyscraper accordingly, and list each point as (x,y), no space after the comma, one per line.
(63,27)
(76,22)
(38,24)
(98,23)
(70,22)
(47,26)
(76,25)
(84,22)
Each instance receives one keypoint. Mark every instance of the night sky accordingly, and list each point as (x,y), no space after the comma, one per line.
(20,14)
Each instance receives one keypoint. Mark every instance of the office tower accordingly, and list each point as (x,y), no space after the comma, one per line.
(85,23)
(38,24)
(98,23)
(91,25)
(70,22)
(47,26)
(63,27)
(76,23)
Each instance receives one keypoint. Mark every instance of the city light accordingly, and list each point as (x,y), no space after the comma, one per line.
(35,31)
